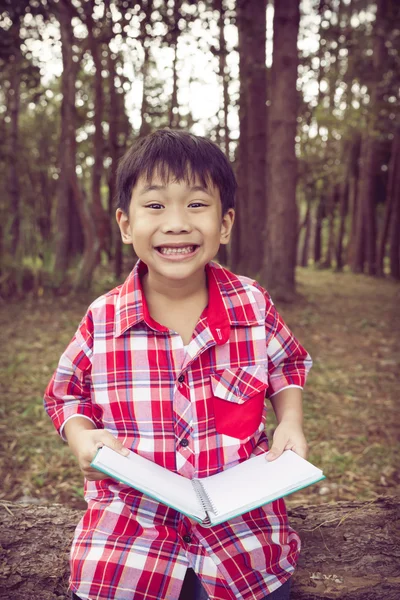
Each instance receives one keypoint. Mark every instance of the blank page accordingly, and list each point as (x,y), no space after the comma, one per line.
(151,479)
(248,483)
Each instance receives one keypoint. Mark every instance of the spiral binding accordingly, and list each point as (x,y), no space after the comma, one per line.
(204,498)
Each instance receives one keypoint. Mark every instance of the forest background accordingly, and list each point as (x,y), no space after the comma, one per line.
(304,99)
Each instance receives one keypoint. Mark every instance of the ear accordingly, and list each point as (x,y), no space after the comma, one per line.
(226,226)
(124,226)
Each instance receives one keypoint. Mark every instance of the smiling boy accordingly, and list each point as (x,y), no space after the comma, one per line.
(175,365)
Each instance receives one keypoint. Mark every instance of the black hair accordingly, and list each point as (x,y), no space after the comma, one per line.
(180,154)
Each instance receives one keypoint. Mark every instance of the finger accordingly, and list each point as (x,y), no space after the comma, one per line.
(274,453)
(107,439)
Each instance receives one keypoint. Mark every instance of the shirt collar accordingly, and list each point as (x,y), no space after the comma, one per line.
(236,295)
(229,303)
(131,306)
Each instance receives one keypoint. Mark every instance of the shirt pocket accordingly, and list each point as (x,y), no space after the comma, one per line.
(239,399)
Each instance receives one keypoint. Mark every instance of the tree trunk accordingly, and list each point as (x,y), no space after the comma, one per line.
(281,239)
(319,215)
(116,242)
(365,250)
(353,202)
(66,152)
(392,193)
(251,22)
(332,74)
(349,551)
(173,113)
(147,7)
(13,112)
(365,255)
(344,18)
(241,226)
(330,210)
(394,238)
(101,219)
(344,195)
(114,155)
(307,233)
(46,192)
(68,178)
(319,210)
(89,260)
(173,116)
(76,246)
(223,255)
(223,74)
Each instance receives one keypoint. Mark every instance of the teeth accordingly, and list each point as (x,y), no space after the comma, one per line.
(184,250)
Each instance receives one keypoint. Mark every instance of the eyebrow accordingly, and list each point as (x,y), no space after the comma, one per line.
(151,188)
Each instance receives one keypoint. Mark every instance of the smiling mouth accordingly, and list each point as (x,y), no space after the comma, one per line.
(176,251)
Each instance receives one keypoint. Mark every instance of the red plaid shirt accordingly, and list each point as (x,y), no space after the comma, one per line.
(195,411)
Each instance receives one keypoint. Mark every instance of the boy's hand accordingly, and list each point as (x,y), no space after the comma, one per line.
(288,436)
(84,440)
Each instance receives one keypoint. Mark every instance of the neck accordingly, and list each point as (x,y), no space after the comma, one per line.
(154,286)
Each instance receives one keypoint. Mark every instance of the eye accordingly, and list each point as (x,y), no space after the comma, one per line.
(154,205)
(197,204)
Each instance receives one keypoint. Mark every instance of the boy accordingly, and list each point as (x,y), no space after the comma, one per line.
(175,365)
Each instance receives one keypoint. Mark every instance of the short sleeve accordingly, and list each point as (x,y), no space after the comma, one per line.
(68,393)
(288,362)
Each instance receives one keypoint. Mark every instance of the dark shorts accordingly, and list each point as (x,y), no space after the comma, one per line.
(193,590)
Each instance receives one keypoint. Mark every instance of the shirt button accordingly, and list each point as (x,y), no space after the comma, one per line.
(185,443)
(187,539)
(181,378)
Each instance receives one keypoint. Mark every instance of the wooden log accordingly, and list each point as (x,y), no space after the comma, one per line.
(350,551)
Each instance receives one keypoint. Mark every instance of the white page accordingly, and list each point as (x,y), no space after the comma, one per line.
(151,479)
(251,481)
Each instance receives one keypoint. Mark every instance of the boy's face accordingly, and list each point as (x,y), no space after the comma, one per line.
(175,229)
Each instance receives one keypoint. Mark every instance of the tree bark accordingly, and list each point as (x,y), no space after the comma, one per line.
(46,186)
(67,144)
(365,250)
(307,225)
(251,22)
(114,155)
(118,133)
(147,7)
(319,215)
(347,147)
(223,74)
(343,208)
(350,551)
(241,226)
(102,222)
(281,239)
(392,195)
(365,254)
(330,209)
(69,184)
(353,199)
(113,145)
(13,111)
(173,116)
(394,234)
(319,210)
(223,254)
(173,113)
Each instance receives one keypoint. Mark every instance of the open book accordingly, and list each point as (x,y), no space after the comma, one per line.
(215,499)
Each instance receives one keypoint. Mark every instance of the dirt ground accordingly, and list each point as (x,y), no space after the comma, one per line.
(349,323)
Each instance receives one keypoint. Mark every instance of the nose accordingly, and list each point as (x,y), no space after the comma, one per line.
(176,221)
